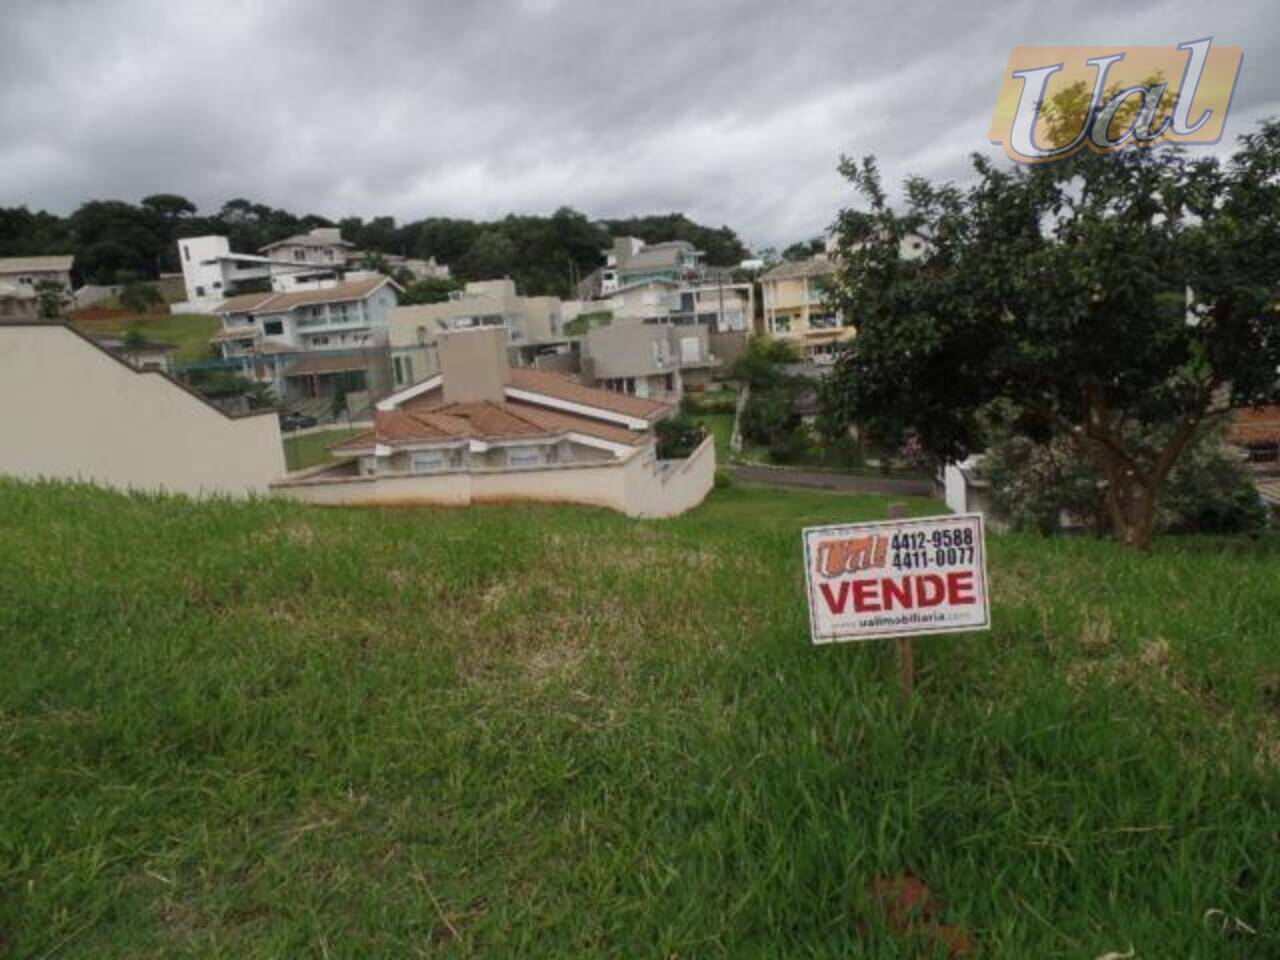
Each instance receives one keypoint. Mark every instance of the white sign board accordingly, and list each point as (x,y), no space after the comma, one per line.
(896,578)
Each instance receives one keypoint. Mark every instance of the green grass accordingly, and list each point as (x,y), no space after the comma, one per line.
(189,332)
(266,730)
(312,449)
(720,425)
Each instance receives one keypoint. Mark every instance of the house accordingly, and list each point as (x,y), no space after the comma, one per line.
(138,352)
(75,411)
(211,272)
(669,281)
(630,261)
(796,309)
(482,430)
(649,360)
(29,272)
(311,342)
(1255,432)
(393,263)
(528,322)
(322,246)
(18,302)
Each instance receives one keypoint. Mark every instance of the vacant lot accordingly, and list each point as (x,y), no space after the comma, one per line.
(189,332)
(272,730)
(312,449)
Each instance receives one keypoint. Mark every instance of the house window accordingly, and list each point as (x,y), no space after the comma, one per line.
(299,255)
(523,456)
(186,253)
(823,321)
(199,291)
(273,328)
(427,461)
(328,253)
(782,324)
(25,281)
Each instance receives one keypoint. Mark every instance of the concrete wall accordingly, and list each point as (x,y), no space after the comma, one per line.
(72,411)
(638,486)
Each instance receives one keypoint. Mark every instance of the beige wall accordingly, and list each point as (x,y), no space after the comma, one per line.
(72,411)
(636,486)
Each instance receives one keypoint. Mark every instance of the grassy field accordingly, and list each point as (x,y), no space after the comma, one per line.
(189,332)
(267,730)
(312,449)
(720,425)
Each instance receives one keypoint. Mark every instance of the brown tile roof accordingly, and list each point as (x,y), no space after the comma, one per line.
(485,420)
(36,264)
(241,333)
(1255,425)
(562,388)
(813,267)
(558,422)
(277,302)
(308,240)
(319,363)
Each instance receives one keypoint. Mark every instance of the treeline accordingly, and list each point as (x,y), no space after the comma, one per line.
(113,240)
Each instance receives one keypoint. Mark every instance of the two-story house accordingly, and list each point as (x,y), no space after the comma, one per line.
(648,360)
(482,430)
(528,321)
(668,281)
(321,247)
(796,308)
(307,341)
(211,272)
(22,279)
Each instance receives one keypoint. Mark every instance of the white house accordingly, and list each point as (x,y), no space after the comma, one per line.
(211,272)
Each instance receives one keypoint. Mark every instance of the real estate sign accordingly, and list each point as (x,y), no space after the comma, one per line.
(896,578)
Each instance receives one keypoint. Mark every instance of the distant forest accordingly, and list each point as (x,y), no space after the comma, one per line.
(115,241)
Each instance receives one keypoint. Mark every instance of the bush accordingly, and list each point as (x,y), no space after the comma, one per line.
(794,446)
(760,364)
(1036,486)
(1209,491)
(678,436)
(723,480)
(695,405)
(140,297)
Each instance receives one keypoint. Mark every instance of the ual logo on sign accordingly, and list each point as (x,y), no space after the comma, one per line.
(839,557)
(1056,101)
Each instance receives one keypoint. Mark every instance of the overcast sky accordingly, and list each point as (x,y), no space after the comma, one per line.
(733,112)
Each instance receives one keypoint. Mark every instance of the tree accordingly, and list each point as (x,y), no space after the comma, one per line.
(429,290)
(678,436)
(804,249)
(1062,290)
(170,206)
(51,299)
(139,297)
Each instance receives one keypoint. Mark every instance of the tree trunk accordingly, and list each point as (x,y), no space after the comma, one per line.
(1131,501)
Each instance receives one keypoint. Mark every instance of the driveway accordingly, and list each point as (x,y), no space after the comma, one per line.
(825,480)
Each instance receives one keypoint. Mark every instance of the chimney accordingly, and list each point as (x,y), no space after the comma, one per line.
(474,364)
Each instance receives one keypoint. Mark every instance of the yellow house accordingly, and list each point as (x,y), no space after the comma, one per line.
(795,308)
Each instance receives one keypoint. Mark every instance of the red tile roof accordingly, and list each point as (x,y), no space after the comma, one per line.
(1255,425)
(485,420)
(275,301)
(560,387)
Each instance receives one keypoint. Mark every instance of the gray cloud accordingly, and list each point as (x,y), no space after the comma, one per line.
(735,112)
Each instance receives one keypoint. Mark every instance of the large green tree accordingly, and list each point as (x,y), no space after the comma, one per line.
(1127,299)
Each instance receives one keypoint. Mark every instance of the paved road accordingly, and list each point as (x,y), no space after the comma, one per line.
(822,480)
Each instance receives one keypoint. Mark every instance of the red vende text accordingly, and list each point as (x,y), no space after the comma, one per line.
(906,593)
